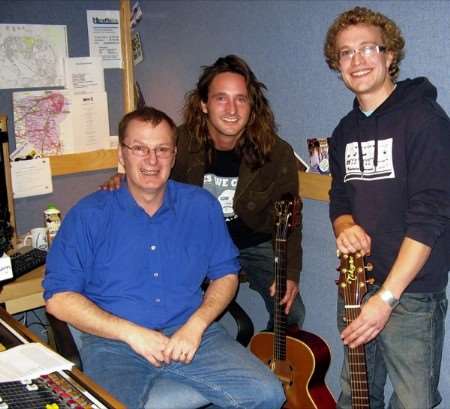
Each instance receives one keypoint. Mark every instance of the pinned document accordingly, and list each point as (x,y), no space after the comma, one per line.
(31,177)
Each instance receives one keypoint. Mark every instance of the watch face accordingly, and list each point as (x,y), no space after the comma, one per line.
(389,298)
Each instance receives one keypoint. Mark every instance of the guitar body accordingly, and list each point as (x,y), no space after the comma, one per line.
(302,372)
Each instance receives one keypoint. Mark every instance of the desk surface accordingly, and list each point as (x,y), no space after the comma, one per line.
(25,293)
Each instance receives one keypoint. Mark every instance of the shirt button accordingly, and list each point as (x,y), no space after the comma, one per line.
(157,300)
(155,274)
(152,247)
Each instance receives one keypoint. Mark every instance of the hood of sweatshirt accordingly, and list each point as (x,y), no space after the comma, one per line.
(407,92)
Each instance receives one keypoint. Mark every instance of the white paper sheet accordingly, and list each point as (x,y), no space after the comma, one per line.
(90,122)
(29,361)
(31,177)
(84,74)
(104,36)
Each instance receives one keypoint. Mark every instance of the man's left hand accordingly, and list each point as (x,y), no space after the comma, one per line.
(289,296)
(183,344)
(372,319)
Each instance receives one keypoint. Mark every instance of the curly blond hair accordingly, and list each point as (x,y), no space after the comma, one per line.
(392,37)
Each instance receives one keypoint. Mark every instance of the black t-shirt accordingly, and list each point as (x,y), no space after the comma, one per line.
(221,180)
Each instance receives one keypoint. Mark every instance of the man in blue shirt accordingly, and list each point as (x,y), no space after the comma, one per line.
(126,269)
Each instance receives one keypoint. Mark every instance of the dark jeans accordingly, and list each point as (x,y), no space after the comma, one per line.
(257,262)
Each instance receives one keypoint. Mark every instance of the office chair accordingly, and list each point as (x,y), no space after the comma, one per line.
(62,340)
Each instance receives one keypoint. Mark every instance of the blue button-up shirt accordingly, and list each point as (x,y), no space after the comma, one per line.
(145,269)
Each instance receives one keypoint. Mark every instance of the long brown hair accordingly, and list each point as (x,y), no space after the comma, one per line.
(258,139)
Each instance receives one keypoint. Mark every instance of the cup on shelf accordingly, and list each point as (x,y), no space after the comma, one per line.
(38,238)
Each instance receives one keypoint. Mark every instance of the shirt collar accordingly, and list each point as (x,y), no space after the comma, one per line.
(127,201)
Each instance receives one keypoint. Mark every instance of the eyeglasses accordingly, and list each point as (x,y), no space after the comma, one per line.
(367,51)
(161,151)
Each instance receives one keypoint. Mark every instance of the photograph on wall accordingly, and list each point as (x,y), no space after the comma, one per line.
(318,155)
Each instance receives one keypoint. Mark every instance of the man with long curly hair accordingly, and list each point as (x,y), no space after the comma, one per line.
(228,144)
(390,200)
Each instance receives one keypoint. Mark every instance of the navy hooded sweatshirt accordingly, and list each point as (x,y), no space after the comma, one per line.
(391,172)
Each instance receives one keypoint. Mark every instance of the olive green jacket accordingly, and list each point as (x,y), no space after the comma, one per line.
(256,191)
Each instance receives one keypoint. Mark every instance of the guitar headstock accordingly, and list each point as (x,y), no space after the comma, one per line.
(287,215)
(352,278)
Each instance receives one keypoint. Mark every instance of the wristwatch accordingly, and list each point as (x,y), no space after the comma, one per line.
(388,298)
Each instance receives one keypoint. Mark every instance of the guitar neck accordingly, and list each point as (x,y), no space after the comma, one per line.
(280,267)
(357,367)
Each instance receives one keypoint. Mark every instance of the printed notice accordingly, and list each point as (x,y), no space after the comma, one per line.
(31,178)
(104,36)
(90,119)
(84,74)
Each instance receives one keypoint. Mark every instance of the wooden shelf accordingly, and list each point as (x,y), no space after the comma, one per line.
(83,162)
(314,186)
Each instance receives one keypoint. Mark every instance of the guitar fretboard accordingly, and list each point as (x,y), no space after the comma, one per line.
(357,366)
(280,264)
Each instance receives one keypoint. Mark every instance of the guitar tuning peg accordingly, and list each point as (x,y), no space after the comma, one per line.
(370,281)
(369,267)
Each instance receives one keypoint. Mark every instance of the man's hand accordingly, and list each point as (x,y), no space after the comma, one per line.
(370,322)
(351,237)
(113,183)
(148,343)
(289,296)
(183,344)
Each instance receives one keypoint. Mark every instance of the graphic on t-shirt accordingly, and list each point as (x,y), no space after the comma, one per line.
(223,188)
(368,171)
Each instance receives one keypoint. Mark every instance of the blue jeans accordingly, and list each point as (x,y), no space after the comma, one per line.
(408,350)
(223,372)
(257,262)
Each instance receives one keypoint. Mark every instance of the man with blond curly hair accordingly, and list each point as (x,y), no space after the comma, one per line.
(390,200)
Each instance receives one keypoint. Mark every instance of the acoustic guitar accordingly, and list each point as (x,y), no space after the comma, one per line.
(300,359)
(353,286)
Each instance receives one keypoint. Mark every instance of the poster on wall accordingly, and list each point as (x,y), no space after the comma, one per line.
(32,55)
(104,36)
(56,122)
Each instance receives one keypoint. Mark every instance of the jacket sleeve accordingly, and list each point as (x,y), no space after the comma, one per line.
(428,157)
(287,182)
(339,201)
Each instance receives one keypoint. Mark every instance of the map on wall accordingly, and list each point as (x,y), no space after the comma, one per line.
(44,122)
(31,55)
(42,119)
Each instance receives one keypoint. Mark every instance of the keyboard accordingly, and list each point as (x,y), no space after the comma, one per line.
(22,263)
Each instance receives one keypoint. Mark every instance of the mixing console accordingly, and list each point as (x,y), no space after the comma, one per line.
(58,390)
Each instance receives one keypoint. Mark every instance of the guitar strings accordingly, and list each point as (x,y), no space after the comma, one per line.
(356,358)
(279,267)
